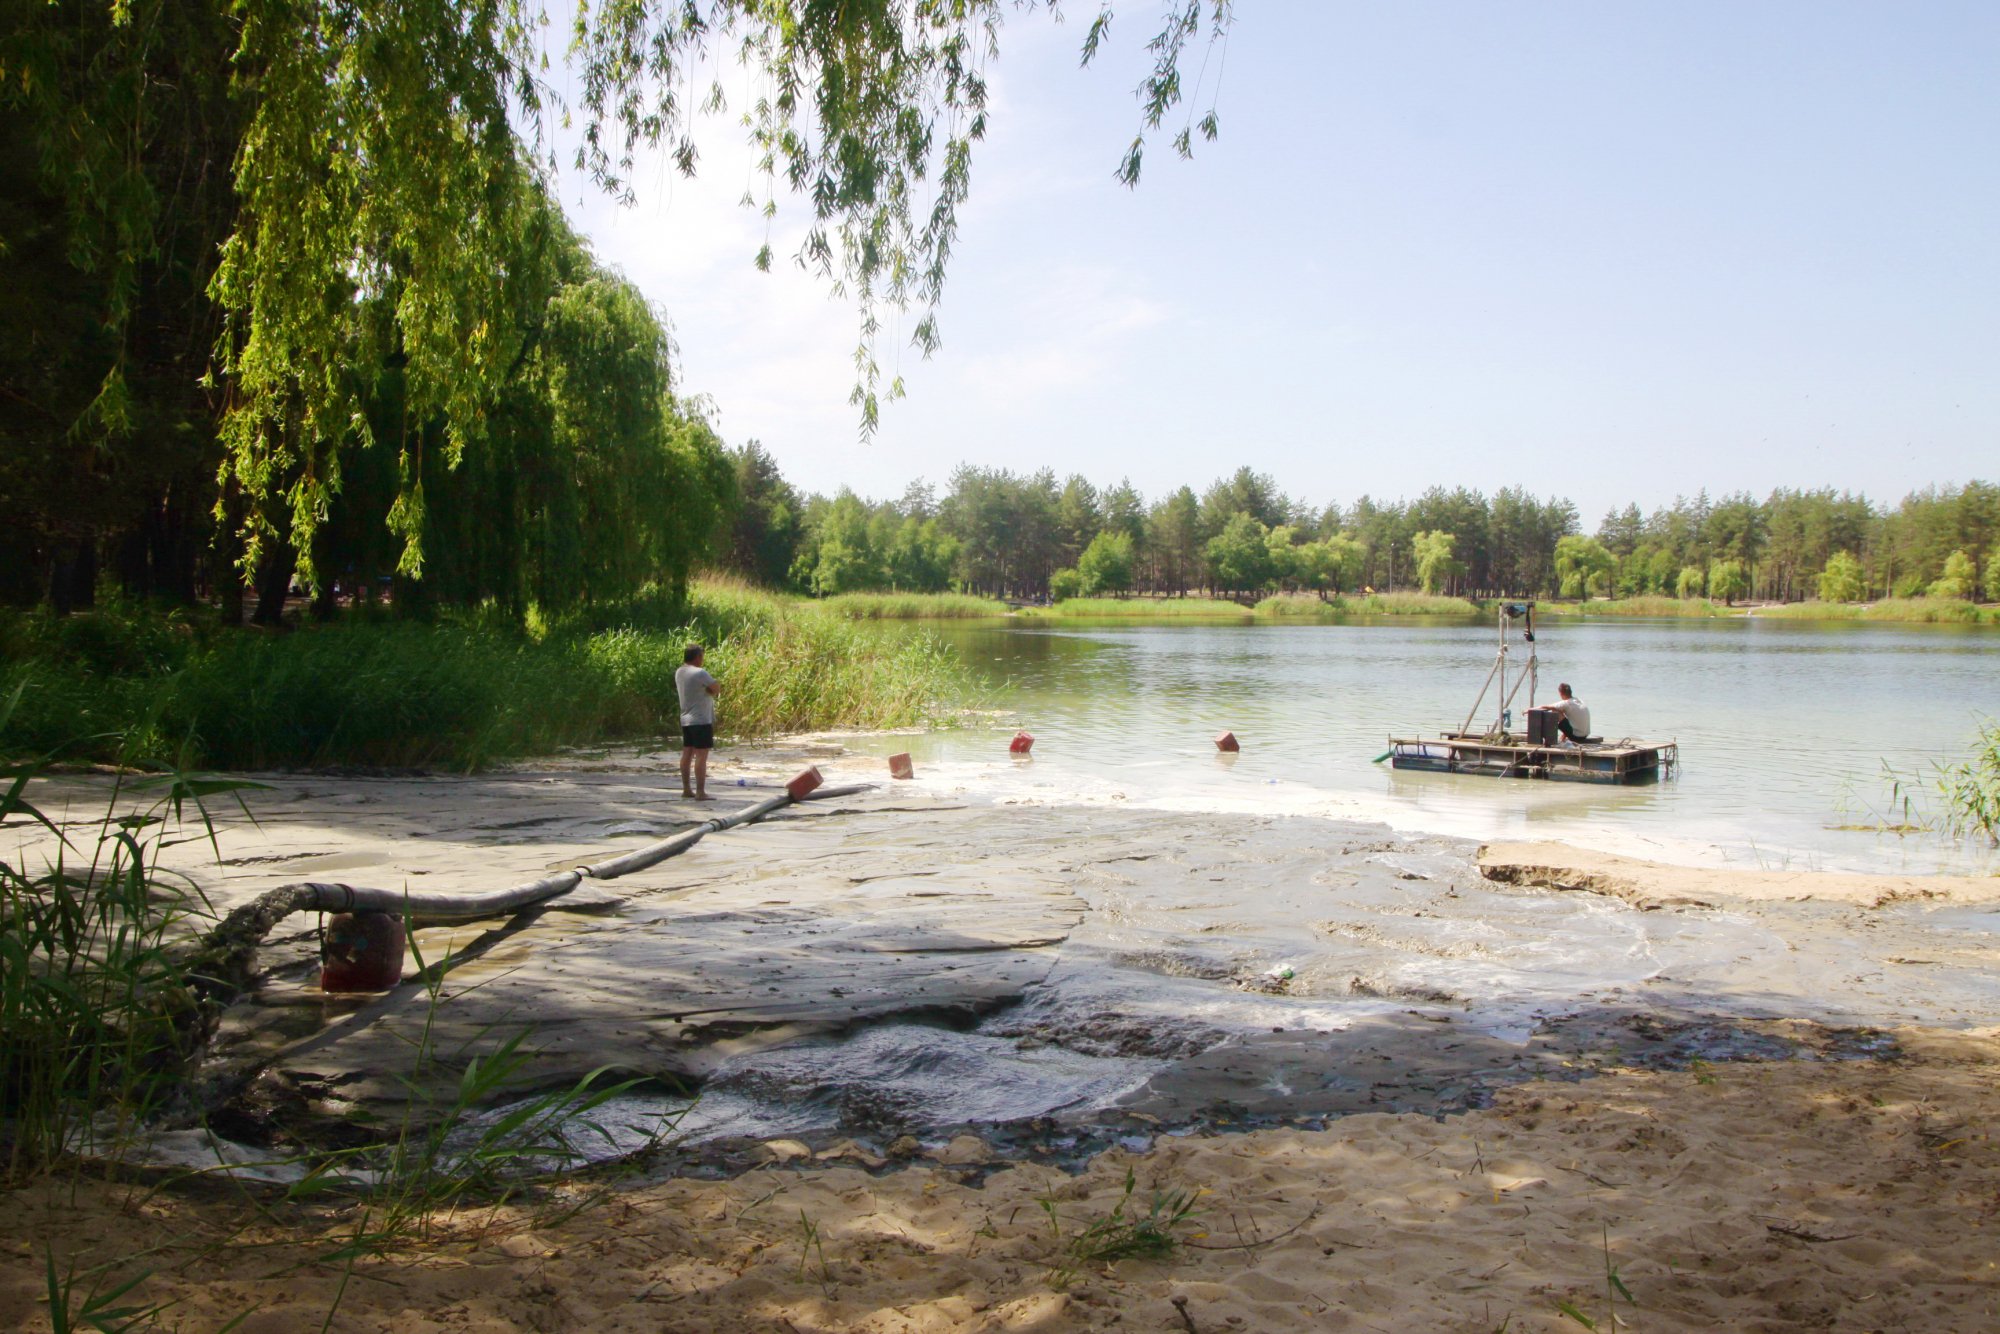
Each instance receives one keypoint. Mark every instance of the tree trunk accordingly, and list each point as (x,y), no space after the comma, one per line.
(73,578)
(274,581)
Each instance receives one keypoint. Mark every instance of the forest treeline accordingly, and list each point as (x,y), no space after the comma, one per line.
(1033,536)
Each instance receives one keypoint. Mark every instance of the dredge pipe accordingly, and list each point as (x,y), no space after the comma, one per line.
(221,965)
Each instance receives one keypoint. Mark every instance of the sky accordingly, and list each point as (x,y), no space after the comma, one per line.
(1610,252)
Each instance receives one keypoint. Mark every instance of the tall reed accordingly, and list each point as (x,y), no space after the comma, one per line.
(1309,606)
(1925,610)
(913,607)
(468,691)
(96,1013)
(1653,606)
(1142,608)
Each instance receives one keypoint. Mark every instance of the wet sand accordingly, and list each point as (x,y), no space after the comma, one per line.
(1653,885)
(1443,1068)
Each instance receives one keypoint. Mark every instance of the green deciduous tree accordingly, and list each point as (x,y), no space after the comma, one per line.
(1106,566)
(1584,566)
(763,535)
(1841,580)
(1434,554)
(1727,581)
(1959,578)
(1239,557)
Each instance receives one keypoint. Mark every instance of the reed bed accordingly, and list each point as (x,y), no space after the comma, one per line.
(913,607)
(94,1009)
(1680,608)
(1926,610)
(1297,606)
(1146,608)
(1309,606)
(462,693)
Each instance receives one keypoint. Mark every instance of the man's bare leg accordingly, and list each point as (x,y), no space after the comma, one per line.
(687,758)
(700,776)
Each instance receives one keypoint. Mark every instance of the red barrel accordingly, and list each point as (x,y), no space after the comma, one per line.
(361,951)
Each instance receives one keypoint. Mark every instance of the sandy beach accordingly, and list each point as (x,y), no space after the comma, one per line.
(1852,1195)
(1406,1082)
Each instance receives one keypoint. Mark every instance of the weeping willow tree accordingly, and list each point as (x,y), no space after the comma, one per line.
(364,299)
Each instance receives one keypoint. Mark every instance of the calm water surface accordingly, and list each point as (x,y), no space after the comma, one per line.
(1785,727)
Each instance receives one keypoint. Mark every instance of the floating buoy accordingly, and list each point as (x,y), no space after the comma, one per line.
(900,767)
(803,782)
(1226,741)
(1021,744)
(360,952)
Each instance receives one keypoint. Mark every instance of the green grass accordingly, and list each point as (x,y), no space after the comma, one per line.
(1140,608)
(458,694)
(912,606)
(1122,1233)
(1939,611)
(1307,606)
(97,1020)
(1681,608)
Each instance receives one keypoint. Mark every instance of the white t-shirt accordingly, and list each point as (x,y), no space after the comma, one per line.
(697,705)
(1574,710)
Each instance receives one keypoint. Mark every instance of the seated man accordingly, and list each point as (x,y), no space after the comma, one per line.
(1572,716)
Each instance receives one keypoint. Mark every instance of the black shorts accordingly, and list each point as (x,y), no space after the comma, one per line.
(698,736)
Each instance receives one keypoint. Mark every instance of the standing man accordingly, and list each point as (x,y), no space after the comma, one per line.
(1572,716)
(697,690)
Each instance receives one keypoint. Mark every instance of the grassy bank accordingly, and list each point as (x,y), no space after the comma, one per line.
(1284,606)
(1682,608)
(147,689)
(1160,609)
(1933,611)
(912,607)
(1307,606)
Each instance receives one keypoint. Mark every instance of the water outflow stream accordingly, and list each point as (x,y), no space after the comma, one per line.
(1239,968)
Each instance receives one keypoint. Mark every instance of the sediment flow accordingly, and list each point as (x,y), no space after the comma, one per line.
(922,959)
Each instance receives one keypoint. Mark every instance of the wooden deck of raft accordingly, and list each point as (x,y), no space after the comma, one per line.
(1508,755)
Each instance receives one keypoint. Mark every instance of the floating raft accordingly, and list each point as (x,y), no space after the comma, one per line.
(1508,755)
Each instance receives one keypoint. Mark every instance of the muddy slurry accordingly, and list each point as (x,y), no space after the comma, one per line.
(882,975)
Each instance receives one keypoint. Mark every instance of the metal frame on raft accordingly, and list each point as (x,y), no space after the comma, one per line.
(1500,752)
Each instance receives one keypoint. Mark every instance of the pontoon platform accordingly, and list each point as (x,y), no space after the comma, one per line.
(1509,755)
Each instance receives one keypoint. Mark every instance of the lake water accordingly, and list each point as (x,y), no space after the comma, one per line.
(1785,728)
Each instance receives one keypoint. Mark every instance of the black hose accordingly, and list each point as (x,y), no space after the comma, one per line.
(220,967)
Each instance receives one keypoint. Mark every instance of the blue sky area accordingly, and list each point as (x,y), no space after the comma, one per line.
(1606,251)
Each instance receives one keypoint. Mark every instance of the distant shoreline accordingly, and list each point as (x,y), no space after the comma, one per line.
(1311,607)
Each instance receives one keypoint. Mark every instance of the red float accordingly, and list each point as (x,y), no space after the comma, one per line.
(361,952)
